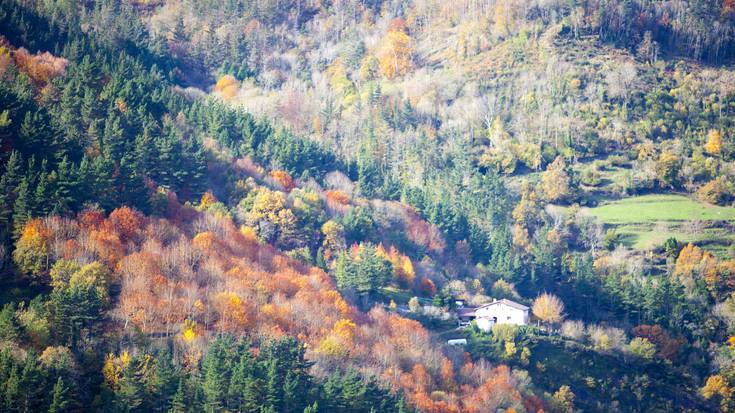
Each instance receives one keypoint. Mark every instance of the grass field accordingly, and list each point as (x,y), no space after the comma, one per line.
(656,208)
(645,222)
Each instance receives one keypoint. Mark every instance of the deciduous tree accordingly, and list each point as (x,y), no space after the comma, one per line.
(548,308)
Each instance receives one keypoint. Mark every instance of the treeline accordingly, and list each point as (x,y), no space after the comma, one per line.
(700,29)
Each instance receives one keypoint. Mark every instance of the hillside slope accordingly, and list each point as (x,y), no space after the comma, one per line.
(275,205)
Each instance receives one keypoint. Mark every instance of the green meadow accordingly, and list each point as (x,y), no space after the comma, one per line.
(654,208)
(645,222)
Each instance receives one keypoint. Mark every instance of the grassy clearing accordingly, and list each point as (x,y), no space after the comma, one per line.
(400,296)
(659,208)
(645,222)
(646,237)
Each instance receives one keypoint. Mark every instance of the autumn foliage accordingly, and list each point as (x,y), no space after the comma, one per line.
(227,86)
(695,263)
(283,179)
(190,285)
(667,346)
(41,67)
(395,50)
(32,251)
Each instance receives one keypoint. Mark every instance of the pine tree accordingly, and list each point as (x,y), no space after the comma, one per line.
(12,391)
(129,395)
(68,119)
(162,382)
(194,168)
(244,385)
(113,138)
(65,186)
(130,187)
(89,107)
(60,399)
(273,389)
(31,395)
(8,328)
(42,195)
(29,134)
(22,208)
(146,155)
(101,182)
(178,403)
(8,188)
(216,374)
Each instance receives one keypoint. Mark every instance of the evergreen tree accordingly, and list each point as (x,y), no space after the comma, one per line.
(9,183)
(244,385)
(30,135)
(8,328)
(31,384)
(178,402)
(129,395)
(60,402)
(23,207)
(44,189)
(12,392)
(161,383)
(215,368)
(65,187)
(113,138)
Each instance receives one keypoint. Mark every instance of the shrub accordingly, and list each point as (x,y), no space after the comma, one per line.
(642,348)
(718,191)
(573,329)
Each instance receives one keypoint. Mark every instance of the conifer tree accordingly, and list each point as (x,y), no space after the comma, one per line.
(129,395)
(60,402)
(178,402)
(23,207)
(8,329)
(8,189)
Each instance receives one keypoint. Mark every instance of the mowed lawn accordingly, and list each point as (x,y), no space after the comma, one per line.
(647,221)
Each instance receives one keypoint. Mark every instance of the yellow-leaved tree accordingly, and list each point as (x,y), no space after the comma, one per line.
(718,387)
(395,52)
(548,308)
(227,86)
(556,183)
(714,142)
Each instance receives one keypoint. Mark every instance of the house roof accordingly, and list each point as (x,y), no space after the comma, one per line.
(509,303)
(466,312)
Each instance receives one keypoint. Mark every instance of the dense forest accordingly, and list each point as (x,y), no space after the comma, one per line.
(285,205)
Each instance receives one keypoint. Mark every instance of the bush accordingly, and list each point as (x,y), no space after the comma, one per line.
(505,332)
(591,177)
(718,191)
(642,348)
(606,338)
(573,329)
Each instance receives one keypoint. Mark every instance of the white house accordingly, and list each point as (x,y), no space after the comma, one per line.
(501,312)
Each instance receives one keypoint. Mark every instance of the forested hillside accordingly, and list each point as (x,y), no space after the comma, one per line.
(278,206)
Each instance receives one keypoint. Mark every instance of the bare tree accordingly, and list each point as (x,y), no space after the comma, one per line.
(621,79)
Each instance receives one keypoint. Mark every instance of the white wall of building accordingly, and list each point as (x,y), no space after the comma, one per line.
(484,324)
(504,313)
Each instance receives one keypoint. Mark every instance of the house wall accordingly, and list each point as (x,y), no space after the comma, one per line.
(484,324)
(504,313)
